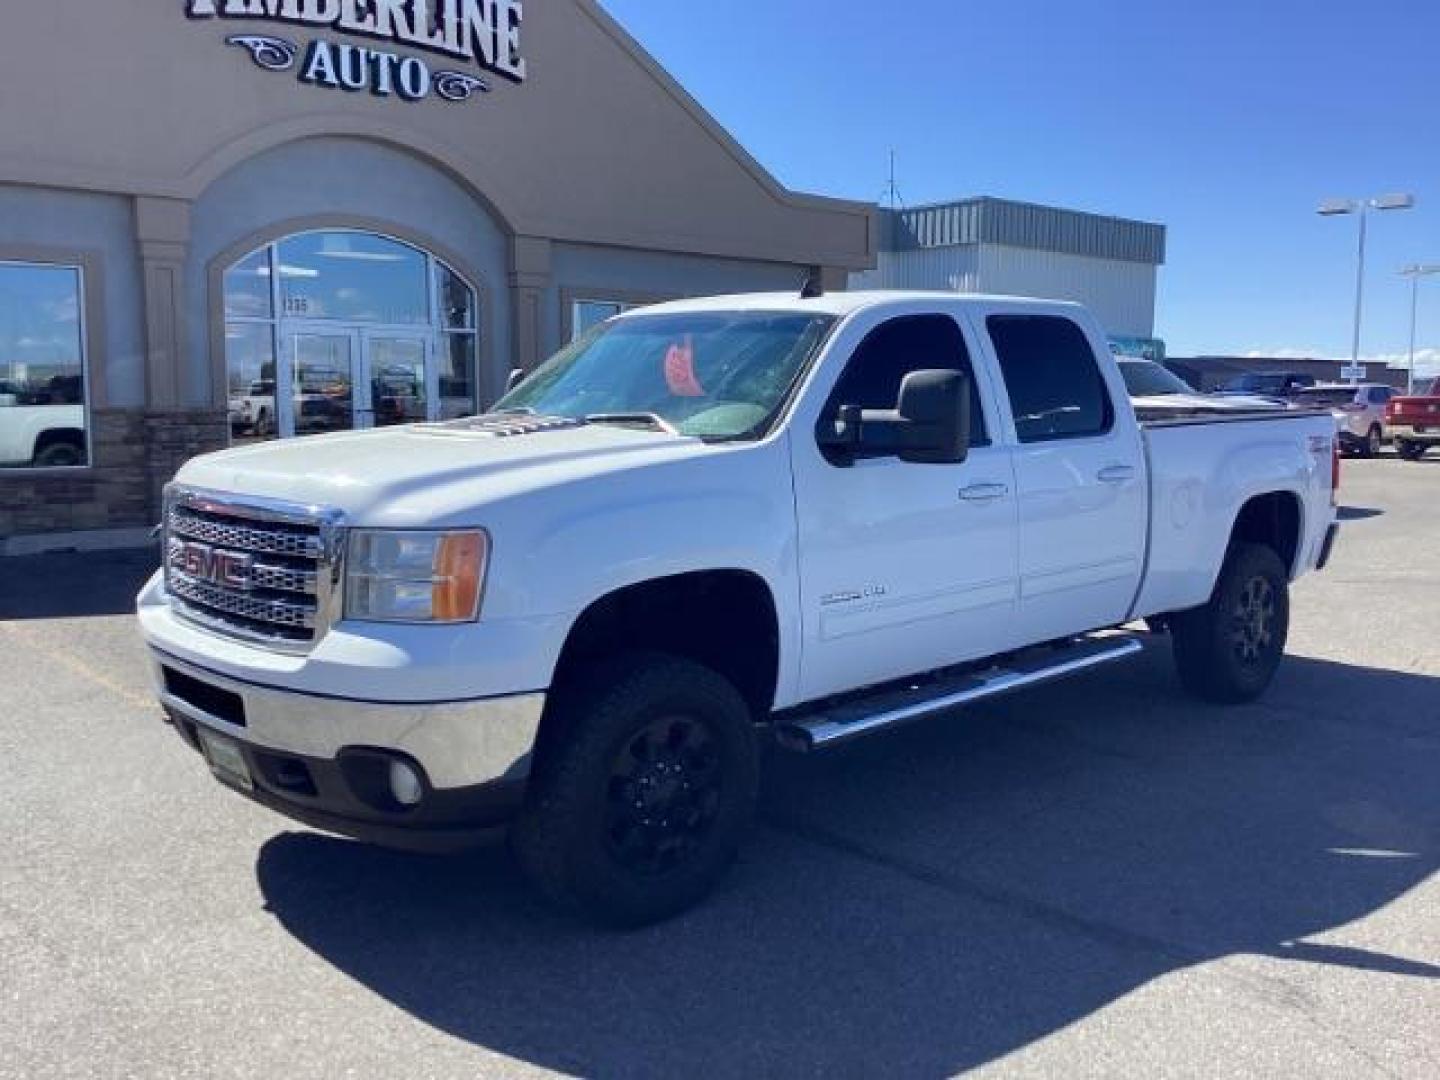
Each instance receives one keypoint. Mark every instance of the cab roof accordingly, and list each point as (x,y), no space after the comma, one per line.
(848,303)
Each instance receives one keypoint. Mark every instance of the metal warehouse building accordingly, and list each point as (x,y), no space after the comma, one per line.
(1020,249)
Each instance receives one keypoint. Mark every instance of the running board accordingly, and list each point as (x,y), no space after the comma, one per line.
(853,718)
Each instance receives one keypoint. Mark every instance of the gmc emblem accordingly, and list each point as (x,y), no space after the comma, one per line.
(214,566)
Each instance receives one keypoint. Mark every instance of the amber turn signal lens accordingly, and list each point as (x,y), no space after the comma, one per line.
(459,575)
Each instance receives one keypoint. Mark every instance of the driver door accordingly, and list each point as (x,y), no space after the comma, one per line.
(904,567)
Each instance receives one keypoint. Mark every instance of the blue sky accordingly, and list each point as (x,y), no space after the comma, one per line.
(1227,120)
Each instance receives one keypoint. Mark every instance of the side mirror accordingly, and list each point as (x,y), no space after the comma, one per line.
(930,424)
(515,378)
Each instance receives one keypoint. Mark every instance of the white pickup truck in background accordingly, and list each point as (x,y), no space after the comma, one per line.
(39,436)
(812,517)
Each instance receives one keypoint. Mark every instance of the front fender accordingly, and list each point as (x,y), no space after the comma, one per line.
(562,550)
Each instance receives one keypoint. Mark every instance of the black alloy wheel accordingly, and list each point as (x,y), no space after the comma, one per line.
(664,795)
(1253,621)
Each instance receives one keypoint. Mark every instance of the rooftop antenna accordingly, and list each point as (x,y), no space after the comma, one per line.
(890,198)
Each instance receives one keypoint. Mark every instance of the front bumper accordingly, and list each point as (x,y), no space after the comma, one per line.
(324,760)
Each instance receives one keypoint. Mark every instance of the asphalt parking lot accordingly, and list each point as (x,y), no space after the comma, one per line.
(1100,878)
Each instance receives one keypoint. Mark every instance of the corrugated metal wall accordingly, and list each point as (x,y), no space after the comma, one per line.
(955,269)
(1025,225)
(1120,293)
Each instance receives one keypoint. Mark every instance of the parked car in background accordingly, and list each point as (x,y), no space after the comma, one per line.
(1157,393)
(1280,385)
(1414,420)
(1359,411)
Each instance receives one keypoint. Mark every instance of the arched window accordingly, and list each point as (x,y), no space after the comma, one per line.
(359,329)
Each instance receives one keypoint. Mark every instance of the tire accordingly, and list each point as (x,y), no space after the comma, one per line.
(263,427)
(1228,651)
(1410,451)
(59,455)
(675,737)
(1374,441)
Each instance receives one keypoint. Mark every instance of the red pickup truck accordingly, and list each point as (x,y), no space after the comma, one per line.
(1414,421)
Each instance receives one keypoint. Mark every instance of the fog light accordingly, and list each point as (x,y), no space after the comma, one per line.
(405,784)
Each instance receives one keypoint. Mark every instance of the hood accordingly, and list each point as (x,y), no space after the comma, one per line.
(431,473)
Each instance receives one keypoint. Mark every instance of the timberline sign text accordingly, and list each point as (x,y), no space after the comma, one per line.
(483,32)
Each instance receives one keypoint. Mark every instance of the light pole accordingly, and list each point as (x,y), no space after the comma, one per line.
(1362,207)
(1415,273)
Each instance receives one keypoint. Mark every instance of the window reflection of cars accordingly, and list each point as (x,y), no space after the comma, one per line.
(398,395)
(253,412)
(42,427)
(322,400)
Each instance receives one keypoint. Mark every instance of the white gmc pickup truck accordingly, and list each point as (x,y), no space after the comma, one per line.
(705,523)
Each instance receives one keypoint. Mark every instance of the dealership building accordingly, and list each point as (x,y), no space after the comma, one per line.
(228,221)
(382,207)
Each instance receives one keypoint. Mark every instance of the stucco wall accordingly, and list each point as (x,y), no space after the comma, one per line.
(333,181)
(598,145)
(604,273)
(44,221)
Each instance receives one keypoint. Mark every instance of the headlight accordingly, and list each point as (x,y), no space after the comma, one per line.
(415,577)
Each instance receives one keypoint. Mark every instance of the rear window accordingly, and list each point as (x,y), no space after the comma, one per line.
(1053,379)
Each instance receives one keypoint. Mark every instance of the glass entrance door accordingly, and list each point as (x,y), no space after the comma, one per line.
(325,394)
(343,378)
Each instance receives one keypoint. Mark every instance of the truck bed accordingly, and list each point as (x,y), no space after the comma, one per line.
(1203,470)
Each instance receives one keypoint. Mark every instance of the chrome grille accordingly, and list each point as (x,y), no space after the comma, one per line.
(291,541)
(255,569)
(250,608)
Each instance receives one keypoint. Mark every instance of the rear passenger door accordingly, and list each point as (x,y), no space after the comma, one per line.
(1079,474)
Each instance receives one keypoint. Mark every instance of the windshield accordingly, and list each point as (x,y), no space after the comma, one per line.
(1428,389)
(1145,378)
(716,375)
(1329,397)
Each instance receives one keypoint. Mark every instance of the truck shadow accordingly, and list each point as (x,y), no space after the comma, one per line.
(937,898)
(72,585)
(1358,513)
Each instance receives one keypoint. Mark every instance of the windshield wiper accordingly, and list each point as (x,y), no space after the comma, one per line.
(630,419)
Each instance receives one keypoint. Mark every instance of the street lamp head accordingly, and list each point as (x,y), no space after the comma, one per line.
(1336,207)
(1399,201)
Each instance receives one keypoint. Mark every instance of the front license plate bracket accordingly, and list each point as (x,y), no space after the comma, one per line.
(226,760)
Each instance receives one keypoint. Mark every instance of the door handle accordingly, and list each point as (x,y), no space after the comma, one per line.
(1117,474)
(984,493)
